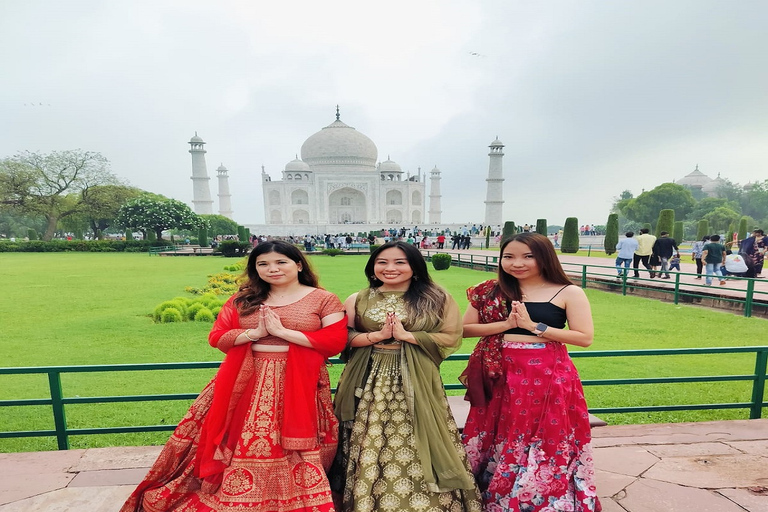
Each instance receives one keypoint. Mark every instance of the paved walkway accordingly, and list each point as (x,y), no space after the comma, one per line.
(719,466)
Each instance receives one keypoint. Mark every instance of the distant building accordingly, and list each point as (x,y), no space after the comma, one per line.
(697,181)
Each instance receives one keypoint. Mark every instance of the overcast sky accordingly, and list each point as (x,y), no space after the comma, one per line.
(589,97)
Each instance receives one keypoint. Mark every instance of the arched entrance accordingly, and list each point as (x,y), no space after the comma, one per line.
(347,206)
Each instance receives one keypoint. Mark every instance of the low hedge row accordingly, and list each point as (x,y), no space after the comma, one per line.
(81,246)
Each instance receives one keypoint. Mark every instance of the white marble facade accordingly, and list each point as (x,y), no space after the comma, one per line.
(337,181)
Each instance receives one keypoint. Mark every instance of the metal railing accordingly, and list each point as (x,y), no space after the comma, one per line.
(589,273)
(57,401)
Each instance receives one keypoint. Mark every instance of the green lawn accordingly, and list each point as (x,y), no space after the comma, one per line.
(83,308)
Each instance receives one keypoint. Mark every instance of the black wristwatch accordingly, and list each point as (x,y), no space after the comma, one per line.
(540,328)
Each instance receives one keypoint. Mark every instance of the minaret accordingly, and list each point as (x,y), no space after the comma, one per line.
(434,196)
(225,198)
(494,202)
(201,188)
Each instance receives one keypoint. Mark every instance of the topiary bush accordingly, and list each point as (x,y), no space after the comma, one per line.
(541,226)
(666,221)
(508,230)
(742,228)
(441,261)
(611,234)
(703,229)
(170,315)
(204,315)
(333,252)
(157,314)
(193,309)
(570,242)
(678,232)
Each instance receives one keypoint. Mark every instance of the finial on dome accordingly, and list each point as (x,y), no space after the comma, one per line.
(337,113)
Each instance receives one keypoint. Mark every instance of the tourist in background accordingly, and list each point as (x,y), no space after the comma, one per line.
(528,434)
(643,253)
(625,252)
(696,250)
(262,434)
(399,446)
(713,255)
(665,247)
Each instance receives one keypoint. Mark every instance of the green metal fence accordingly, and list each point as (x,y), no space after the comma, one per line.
(588,273)
(58,401)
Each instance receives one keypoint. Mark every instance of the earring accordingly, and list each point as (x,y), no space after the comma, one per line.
(415,278)
(373,277)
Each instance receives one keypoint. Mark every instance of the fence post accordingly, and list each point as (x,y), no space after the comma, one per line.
(583,276)
(677,287)
(748,298)
(761,361)
(59,419)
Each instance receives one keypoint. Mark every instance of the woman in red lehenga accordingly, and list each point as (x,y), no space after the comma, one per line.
(262,433)
(528,435)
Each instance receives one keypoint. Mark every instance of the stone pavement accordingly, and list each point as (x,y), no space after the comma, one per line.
(717,466)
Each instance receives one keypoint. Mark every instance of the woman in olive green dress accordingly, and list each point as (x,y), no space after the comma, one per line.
(399,448)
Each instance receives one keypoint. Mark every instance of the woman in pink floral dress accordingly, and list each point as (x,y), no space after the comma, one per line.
(528,435)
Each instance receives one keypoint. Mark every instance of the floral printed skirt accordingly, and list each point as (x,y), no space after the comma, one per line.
(262,476)
(381,470)
(529,448)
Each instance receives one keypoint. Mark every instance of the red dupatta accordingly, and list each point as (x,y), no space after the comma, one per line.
(234,386)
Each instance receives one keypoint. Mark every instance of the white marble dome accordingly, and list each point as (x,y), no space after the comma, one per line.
(297,166)
(389,166)
(339,144)
(695,179)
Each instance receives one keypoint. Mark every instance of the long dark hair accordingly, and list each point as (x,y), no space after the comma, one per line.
(254,291)
(546,259)
(423,298)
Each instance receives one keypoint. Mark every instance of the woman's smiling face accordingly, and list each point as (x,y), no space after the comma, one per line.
(518,261)
(391,267)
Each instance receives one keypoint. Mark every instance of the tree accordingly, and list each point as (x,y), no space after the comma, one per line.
(101,204)
(720,218)
(52,185)
(647,206)
(743,228)
(611,233)
(153,214)
(220,225)
(708,204)
(666,222)
(541,226)
(570,242)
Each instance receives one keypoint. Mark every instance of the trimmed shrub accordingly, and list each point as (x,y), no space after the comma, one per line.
(441,261)
(570,242)
(204,315)
(743,228)
(487,236)
(508,230)
(202,237)
(677,233)
(171,315)
(541,226)
(193,309)
(611,234)
(151,236)
(703,229)
(241,233)
(175,304)
(234,248)
(332,252)
(666,222)
(31,234)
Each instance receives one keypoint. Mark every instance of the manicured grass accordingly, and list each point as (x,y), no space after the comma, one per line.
(82,308)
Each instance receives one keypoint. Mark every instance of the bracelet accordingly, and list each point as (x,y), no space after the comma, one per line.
(247,336)
(368,338)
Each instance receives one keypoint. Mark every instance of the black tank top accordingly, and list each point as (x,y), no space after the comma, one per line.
(544,312)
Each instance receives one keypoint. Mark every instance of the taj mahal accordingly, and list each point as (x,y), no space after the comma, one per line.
(338,185)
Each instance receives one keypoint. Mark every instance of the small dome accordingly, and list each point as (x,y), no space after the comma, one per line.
(695,179)
(389,166)
(339,144)
(712,186)
(496,143)
(196,138)
(222,168)
(297,166)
